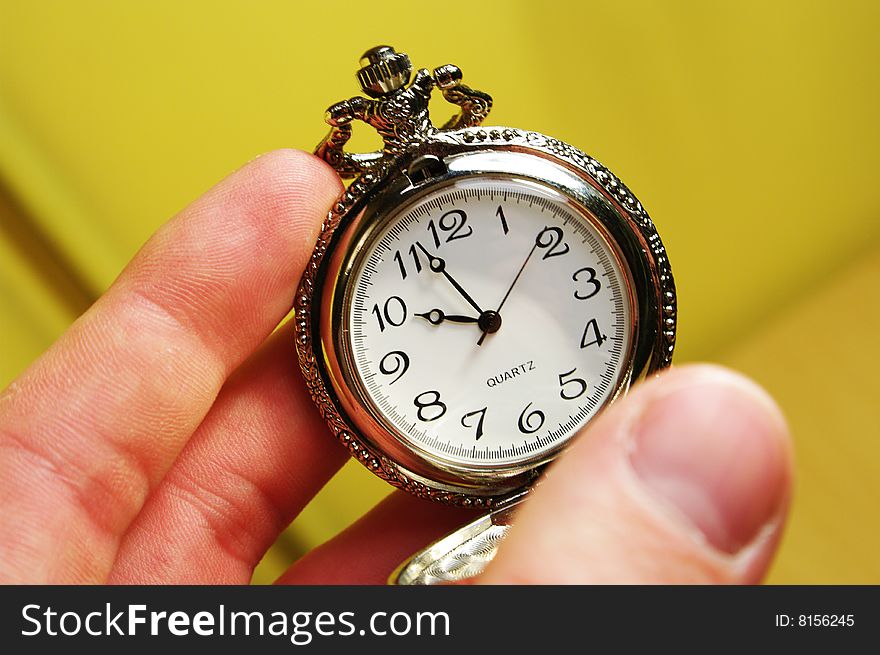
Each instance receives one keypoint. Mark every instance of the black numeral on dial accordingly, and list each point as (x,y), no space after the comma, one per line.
(592,328)
(393,313)
(430,406)
(531,423)
(482,414)
(415,257)
(399,360)
(589,275)
(500,215)
(454,223)
(551,238)
(576,386)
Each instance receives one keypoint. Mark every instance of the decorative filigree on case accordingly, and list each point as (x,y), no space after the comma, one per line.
(320,390)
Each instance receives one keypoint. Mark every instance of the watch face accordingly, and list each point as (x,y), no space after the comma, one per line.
(487,321)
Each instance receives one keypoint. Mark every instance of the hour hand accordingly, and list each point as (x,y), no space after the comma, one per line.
(438,265)
(437,316)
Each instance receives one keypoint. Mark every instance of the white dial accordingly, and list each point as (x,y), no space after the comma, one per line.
(488,322)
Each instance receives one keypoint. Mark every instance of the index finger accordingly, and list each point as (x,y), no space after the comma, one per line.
(92,426)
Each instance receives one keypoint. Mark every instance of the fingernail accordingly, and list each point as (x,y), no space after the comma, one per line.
(713,450)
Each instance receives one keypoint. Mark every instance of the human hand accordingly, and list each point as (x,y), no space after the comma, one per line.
(168,438)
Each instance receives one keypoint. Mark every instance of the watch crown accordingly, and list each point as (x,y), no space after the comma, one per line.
(383,71)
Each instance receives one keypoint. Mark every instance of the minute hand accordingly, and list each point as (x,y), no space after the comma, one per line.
(512,284)
(438,265)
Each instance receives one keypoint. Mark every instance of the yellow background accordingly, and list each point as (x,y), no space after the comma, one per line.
(749,130)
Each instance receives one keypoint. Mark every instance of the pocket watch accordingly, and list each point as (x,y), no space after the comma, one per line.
(476,296)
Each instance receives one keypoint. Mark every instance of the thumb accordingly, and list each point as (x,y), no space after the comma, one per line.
(687,480)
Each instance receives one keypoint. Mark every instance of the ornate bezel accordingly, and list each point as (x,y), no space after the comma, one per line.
(590,184)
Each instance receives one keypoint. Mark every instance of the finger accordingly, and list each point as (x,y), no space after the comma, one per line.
(370,550)
(686,481)
(259,456)
(92,426)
